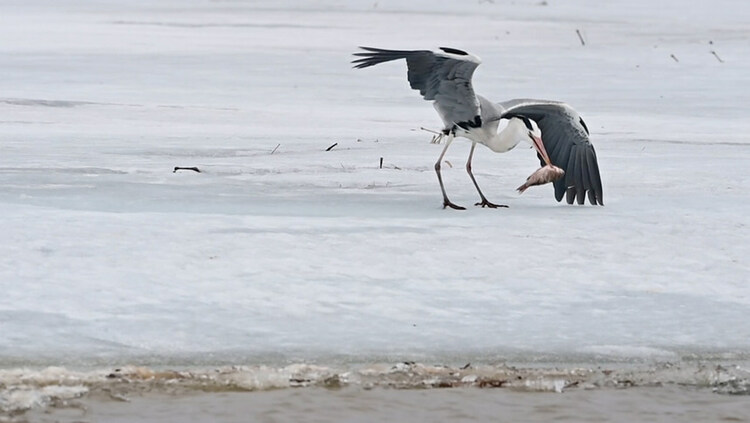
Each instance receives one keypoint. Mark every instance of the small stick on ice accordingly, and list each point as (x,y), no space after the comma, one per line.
(580,37)
(381,162)
(331,147)
(435,138)
(674,57)
(717,56)
(274,149)
(193,168)
(430,130)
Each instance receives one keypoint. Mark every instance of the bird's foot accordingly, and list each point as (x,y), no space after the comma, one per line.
(448,203)
(437,139)
(484,203)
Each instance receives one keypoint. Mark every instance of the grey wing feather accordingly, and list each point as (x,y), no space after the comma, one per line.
(446,79)
(566,140)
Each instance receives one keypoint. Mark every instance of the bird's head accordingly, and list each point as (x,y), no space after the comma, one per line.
(522,128)
(518,129)
(527,130)
(530,129)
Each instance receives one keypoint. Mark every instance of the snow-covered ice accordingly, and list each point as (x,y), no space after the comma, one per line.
(282,249)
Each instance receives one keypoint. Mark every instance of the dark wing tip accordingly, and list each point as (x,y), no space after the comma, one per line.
(454,51)
(373,49)
(582,178)
(369,57)
(365,57)
(372,56)
(559,189)
(570,195)
(594,176)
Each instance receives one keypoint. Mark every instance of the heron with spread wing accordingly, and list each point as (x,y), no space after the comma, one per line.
(554,129)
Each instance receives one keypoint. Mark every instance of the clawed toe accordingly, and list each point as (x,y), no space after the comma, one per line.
(485,203)
(447,203)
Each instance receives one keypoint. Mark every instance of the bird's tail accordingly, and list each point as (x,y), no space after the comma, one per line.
(373,56)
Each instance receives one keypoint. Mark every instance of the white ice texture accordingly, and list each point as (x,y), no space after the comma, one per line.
(279,248)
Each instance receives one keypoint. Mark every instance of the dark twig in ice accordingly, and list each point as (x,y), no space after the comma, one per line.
(193,168)
(717,56)
(331,147)
(390,166)
(580,37)
(674,57)
(275,148)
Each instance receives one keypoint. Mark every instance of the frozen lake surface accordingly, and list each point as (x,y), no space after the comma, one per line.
(280,251)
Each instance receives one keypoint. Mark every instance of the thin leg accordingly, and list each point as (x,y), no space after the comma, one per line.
(484,202)
(446,201)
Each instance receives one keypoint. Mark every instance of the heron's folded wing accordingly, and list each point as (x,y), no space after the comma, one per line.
(566,139)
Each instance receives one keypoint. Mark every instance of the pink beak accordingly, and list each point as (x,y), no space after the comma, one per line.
(539,146)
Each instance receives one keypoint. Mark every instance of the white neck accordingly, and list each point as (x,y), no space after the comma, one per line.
(509,137)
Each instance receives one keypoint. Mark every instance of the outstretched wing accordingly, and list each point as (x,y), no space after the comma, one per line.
(443,76)
(566,139)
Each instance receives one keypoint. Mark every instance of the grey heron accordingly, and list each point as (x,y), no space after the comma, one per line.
(554,129)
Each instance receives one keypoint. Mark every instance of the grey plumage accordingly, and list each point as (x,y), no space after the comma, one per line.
(566,140)
(445,78)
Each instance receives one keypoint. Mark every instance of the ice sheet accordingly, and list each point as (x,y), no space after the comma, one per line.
(280,248)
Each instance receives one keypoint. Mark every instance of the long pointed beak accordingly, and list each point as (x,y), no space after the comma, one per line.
(539,146)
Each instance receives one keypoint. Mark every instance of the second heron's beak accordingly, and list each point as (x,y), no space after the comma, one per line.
(539,146)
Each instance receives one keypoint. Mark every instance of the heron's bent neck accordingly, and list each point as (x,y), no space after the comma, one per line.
(509,137)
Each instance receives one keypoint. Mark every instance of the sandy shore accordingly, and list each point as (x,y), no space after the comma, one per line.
(655,404)
(408,391)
